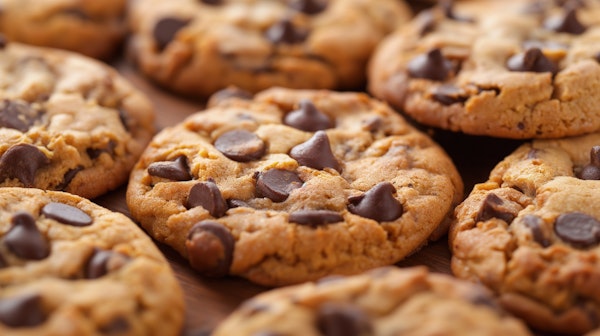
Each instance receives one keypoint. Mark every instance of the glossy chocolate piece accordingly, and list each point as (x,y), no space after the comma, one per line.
(240,145)
(176,170)
(378,203)
(316,153)
(277,184)
(207,195)
(66,214)
(210,248)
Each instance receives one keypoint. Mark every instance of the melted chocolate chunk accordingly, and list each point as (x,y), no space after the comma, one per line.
(277,184)
(378,203)
(210,248)
(568,23)
(535,224)
(308,118)
(24,239)
(591,171)
(316,153)
(102,262)
(240,145)
(228,93)
(337,319)
(22,161)
(315,217)
(531,60)
(310,7)
(448,94)
(207,195)
(18,115)
(176,170)
(432,65)
(22,311)
(285,32)
(165,30)
(494,207)
(66,214)
(578,229)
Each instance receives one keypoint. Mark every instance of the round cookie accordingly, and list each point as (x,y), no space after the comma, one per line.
(68,122)
(71,267)
(199,47)
(385,301)
(531,233)
(511,69)
(292,186)
(93,28)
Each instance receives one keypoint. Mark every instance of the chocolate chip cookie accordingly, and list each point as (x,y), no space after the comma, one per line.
(510,69)
(532,234)
(199,47)
(71,267)
(67,122)
(384,301)
(293,185)
(93,28)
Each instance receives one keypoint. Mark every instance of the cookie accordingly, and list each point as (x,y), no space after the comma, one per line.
(68,122)
(92,28)
(509,69)
(293,185)
(530,233)
(71,267)
(197,47)
(385,301)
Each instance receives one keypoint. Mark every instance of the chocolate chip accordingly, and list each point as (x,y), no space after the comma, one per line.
(448,9)
(378,203)
(494,207)
(22,161)
(210,248)
(94,153)
(124,118)
(277,184)
(212,2)
(241,145)
(285,32)
(102,262)
(535,224)
(22,311)
(3,262)
(18,115)
(207,195)
(531,60)
(568,23)
(316,153)
(68,177)
(449,94)
(236,203)
(310,7)
(578,229)
(24,239)
(307,118)
(432,65)
(176,170)
(342,319)
(66,214)
(315,217)
(591,171)
(228,93)
(3,41)
(165,30)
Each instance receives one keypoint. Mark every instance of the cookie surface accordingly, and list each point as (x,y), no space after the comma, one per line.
(93,28)
(199,47)
(530,233)
(511,69)
(385,301)
(292,186)
(68,122)
(71,267)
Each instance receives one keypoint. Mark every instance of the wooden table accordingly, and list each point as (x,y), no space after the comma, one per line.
(209,301)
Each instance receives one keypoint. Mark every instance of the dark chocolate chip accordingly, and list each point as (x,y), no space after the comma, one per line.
(494,207)
(210,248)
(177,170)
(68,177)
(66,214)
(18,115)
(531,60)
(316,153)
(24,239)
(285,32)
(449,94)
(165,30)
(236,203)
(94,153)
(307,118)
(315,217)
(118,325)
(578,229)
(124,118)
(568,23)
(277,184)
(535,224)
(338,319)
(22,161)
(591,171)
(102,262)
(207,195)
(22,311)
(310,7)
(448,9)
(3,41)
(378,203)
(432,65)
(240,145)
(228,93)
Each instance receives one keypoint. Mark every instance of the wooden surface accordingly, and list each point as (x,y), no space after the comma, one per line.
(209,301)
